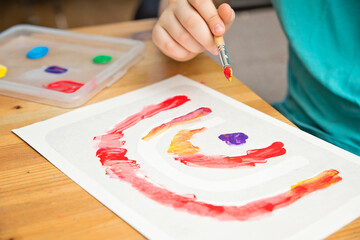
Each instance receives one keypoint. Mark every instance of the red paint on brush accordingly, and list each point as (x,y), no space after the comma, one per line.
(220,161)
(66,86)
(112,156)
(228,73)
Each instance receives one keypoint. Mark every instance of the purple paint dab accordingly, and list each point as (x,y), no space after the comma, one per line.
(56,70)
(234,138)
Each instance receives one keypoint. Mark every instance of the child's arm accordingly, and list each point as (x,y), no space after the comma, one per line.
(186,27)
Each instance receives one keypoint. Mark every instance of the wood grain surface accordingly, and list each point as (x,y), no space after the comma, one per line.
(37,201)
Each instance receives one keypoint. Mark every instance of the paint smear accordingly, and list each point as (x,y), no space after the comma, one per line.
(37,52)
(56,70)
(190,155)
(181,145)
(65,86)
(234,138)
(112,156)
(3,71)
(190,117)
(150,111)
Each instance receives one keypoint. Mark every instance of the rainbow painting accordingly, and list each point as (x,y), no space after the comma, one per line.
(177,160)
(112,154)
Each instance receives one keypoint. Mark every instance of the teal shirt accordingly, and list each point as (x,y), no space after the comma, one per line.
(324,68)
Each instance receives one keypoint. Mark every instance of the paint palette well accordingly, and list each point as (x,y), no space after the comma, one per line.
(56,67)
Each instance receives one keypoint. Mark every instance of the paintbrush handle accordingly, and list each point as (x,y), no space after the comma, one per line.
(223,56)
(219,41)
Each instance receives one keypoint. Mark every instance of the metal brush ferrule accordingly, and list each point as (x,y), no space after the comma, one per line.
(223,55)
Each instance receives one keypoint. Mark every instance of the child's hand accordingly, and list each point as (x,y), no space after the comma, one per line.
(186,28)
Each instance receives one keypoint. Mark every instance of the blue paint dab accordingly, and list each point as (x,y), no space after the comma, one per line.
(234,138)
(56,70)
(37,52)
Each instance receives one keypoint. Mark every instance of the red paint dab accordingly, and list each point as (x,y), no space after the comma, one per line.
(66,86)
(228,73)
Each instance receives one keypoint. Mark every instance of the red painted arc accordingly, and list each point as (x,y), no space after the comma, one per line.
(220,161)
(191,116)
(190,155)
(112,155)
(150,111)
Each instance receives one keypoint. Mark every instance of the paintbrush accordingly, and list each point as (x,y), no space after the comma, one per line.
(224,57)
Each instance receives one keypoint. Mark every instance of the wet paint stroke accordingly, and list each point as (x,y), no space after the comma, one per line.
(190,155)
(181,145)
(190,117)
(234,138)
(65,86)
(150,111)
(112,155)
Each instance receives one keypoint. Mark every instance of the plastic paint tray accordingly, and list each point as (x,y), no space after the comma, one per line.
(26,78)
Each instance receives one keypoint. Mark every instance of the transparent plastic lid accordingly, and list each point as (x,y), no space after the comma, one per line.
(61,68)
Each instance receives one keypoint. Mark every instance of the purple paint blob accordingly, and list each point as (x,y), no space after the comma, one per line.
(56,69)
(234,138)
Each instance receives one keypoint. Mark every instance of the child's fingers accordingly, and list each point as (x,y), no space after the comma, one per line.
(169,22)
(209,13)
(169,46)
(227,14)
(195,25)
(187,27)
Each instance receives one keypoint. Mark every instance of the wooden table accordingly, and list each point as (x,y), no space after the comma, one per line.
(37,201)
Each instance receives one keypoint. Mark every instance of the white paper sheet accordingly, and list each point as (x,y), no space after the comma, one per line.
(67,142)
